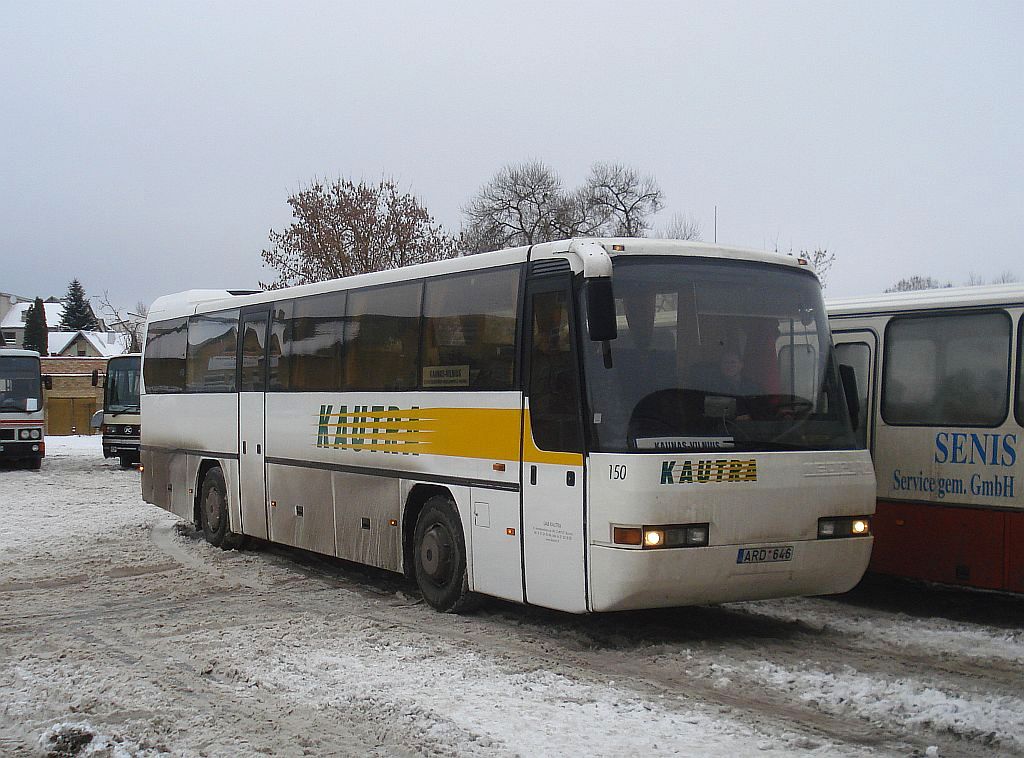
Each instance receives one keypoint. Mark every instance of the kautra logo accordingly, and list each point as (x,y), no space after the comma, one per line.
(709,471)
(375,428)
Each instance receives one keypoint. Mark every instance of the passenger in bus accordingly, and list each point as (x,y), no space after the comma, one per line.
(727,378)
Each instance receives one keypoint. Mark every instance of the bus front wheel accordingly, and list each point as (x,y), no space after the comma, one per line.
(439,555)
(213,512)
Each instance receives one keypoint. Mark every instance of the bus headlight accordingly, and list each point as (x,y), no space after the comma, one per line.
(654,537)
(657,537)
(36,434)
(846,526)
(23,434)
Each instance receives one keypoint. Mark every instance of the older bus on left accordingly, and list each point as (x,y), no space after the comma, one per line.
(21,408)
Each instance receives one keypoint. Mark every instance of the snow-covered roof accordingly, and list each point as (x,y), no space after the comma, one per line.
(15,317)
(107,344)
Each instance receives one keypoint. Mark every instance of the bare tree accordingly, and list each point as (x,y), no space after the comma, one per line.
(681,227)
(623,199)
(1006,277)
(520,205)
(344,228)
(526,203)
(130,323)
(974,280)
(917,282)
(822,260)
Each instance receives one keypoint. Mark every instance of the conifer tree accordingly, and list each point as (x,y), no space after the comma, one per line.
(36,332)
(77,311)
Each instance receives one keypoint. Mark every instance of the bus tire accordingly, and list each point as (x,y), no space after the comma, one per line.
(34,464)
(439,558)
(213,512)
(126,461)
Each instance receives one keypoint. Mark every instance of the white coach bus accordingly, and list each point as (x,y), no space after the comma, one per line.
(586,425)
(22,417)
(941,375)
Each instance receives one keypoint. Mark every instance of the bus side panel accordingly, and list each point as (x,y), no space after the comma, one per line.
(496,547)
(939,544)
(156,477)
(301,507)
(1015,552)
(364,507)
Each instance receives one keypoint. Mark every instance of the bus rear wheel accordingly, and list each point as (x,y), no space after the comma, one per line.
(439,558)
(213,512)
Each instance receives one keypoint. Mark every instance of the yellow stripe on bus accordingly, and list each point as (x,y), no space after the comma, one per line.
(491,433)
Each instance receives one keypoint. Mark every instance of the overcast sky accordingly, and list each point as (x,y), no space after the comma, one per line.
(150,147)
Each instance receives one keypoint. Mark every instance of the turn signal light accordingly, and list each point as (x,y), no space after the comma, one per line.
(627,535)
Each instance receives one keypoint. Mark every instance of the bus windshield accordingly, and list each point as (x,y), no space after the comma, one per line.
(715,355)
(20,389)
(122,388)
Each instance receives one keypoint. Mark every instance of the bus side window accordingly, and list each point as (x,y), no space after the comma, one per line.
(210,361)
(554,393)
(947,370)
(382,337)
(166,342)
(469,330)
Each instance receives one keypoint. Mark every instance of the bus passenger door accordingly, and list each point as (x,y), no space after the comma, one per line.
(252,379)
(554,538)
(858,349)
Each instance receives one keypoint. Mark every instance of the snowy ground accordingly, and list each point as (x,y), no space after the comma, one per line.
(122,633)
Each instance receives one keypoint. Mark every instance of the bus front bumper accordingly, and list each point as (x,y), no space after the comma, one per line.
(10,451)
(624,579)
(115,447)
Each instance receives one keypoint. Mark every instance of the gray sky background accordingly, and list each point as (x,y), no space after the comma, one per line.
(150,147)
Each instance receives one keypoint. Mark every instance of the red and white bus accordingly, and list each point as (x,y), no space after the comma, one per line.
(940,378)
(21,408)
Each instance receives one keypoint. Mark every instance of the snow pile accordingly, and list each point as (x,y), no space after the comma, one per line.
(82,739)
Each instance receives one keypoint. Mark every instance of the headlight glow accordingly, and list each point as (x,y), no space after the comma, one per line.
(843,526)
(654,537)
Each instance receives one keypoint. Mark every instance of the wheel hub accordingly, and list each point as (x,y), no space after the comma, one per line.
(435,553)
(213,509)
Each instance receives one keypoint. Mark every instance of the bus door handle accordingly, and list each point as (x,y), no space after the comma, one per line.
(258,446)
(243,447)
(533,474)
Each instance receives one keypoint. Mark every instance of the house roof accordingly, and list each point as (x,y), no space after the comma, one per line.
(15,319)
(107,344)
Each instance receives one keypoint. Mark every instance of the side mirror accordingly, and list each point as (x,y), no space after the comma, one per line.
(849,379)
(95,377)
(601,323)
(48,381)
(97,419)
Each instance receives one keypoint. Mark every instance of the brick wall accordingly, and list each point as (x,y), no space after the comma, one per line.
(72,382)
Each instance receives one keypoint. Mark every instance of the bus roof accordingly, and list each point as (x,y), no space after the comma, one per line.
(190,301)
(919,300)
(13,351)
